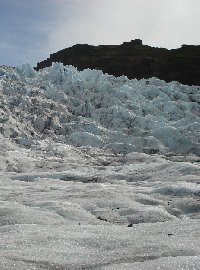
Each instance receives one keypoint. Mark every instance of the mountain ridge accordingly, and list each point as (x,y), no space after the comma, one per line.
(134,60)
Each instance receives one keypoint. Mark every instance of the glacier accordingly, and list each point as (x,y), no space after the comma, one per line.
(98,172)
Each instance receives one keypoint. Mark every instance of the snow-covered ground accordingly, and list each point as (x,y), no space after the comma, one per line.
(98,172)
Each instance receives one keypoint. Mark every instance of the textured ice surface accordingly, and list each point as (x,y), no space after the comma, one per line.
(169,263)
(97,172)
(89,108)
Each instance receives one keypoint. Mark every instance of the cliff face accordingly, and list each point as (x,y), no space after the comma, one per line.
(134,60)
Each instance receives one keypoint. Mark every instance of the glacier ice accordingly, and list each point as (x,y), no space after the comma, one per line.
(97,172)
(92,108)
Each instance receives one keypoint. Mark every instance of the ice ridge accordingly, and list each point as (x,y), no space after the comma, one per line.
(89,108)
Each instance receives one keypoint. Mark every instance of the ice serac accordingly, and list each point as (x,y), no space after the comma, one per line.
(89,108)
(97,172)
(134,60)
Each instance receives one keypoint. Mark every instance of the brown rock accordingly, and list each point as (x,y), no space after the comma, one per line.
(134,60)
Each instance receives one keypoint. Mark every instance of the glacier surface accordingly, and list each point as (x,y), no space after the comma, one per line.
(98,172)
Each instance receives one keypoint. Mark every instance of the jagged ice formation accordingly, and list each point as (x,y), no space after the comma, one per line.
(95,109)
(97,172)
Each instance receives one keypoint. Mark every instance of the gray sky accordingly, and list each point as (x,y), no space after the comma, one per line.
(32,29)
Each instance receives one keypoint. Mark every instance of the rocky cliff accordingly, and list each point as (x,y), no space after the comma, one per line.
(134,60)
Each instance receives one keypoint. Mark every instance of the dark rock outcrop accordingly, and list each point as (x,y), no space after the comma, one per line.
(134,60)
